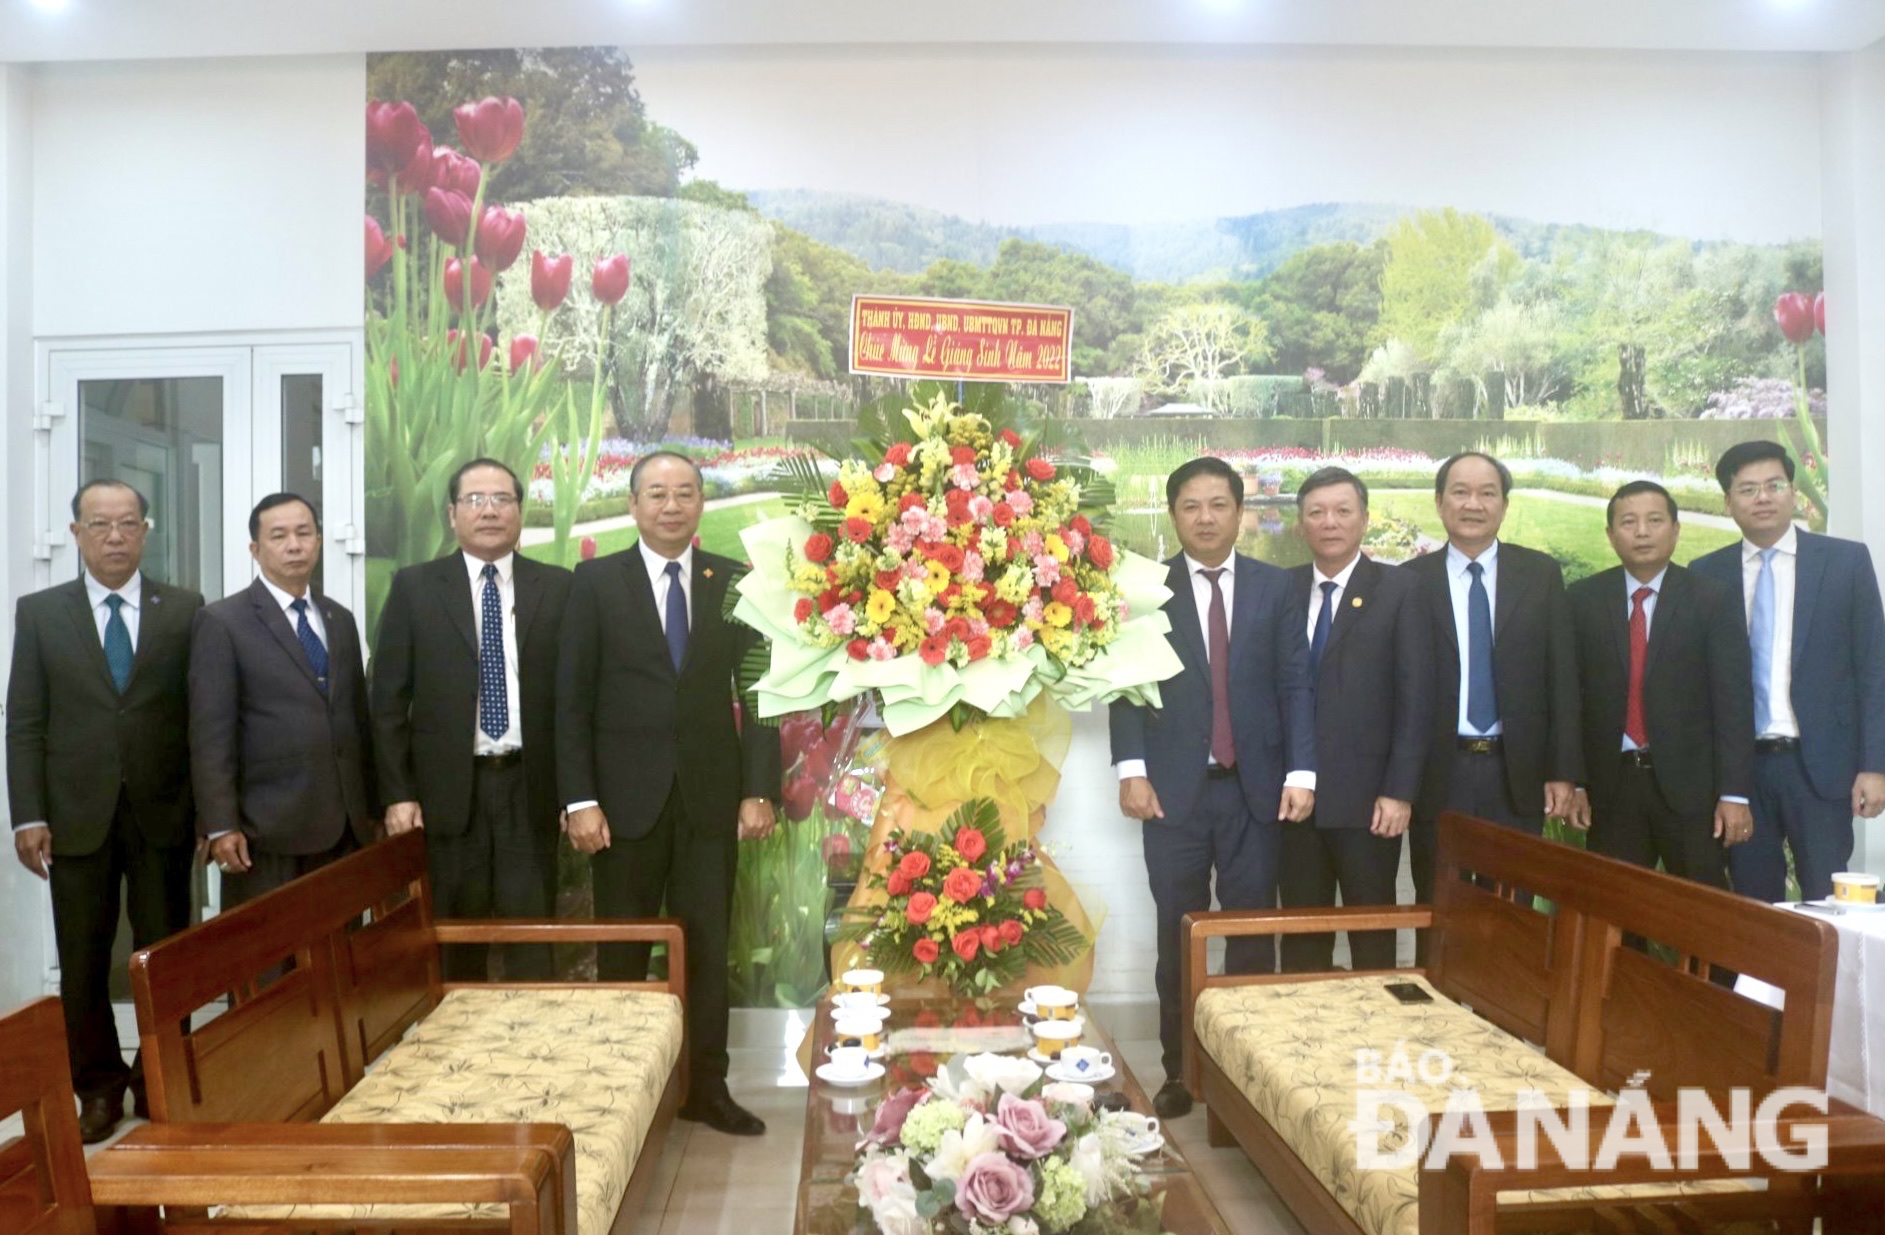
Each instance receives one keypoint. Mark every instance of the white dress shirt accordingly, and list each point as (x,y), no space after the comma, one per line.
(512,738)
(97,593)
(287,608)
(1201,596)
(1316,579)
(657,567)
(1459,586)
(1630,586)
(1781,721)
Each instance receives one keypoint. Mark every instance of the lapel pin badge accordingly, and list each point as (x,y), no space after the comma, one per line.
(1356,602)
(707,571)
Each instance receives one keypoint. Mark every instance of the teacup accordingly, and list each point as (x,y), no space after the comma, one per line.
(1055,1003)
(859,1031)
(1856,888)
(1137,1127)
(1071,1092)
(849,1061)
(1086,1060)
(857,1003)
(865,981)
(1053,1037)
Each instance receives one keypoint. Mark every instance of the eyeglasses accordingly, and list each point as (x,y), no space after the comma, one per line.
(1773,488)
(496,501)
(104,527)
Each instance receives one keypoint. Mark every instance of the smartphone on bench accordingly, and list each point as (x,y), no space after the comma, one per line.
(1408,992)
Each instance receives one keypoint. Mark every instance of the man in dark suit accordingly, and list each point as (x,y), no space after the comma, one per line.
(98,773)
(1370,656)
(661,779)
(464,718)
(1505,729)
(1816,636)
(281,748)
(1667,715)
(1229,753)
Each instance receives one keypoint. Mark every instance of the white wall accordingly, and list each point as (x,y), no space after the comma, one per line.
(198,195)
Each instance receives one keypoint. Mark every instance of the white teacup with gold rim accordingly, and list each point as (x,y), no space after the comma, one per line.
(1086,1061)
(1053,1037)
(1856,888)
(860,1031)
(1054,1003)
(863,981)
(856,1003)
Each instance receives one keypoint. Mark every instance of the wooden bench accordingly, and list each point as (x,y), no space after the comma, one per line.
(360,1034)
(1523,999)
(45,1188)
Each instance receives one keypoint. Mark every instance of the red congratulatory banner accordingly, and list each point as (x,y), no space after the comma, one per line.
(972,340)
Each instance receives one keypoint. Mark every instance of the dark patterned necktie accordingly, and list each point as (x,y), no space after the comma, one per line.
(676,617)
(118,655)
(311,644)
(1325,617)
(1482,700)
(494,709)
(1223,748)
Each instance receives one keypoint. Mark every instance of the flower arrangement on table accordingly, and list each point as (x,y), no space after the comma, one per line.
(965,905)
(983,1149)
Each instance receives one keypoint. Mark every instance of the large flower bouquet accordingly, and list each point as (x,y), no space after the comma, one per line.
(982,1149)
(965,905)
(951,566)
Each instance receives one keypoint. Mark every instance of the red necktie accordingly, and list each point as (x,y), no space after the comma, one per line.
(1634,726)
(1223,749)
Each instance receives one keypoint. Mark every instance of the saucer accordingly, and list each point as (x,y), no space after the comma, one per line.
(1848,906)
(830,1075)
(1039,1058)
(1027,1007)
(1067,1072)
(876,1054)
(883,1001)
(1149,1144)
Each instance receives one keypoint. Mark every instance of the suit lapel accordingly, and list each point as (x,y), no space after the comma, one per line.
(703,606)
(454,588)
(271,616)
(86,626)
(1809,570)
(1511,584)
(1617,620)
(152,614)
(641,601)
(527,588)
(1355,598)
(1671,608)
(1184,617)
(1244,601)
(1440,594)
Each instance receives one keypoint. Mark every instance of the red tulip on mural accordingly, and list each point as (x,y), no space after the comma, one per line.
(484,349)
(416,175)
(588,548)
(491,128)
(393,134)
(610,280)
(379,248)
(452,170)
(500,237)
(455,283)
(523,352)
(1819,312)
(1794,313)
(448,214)
(549,279)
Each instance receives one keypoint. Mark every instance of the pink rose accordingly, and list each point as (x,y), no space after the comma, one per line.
(993,1189)
(1025,1129)
(888,1127)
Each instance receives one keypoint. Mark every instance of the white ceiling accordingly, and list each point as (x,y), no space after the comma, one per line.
(132,29)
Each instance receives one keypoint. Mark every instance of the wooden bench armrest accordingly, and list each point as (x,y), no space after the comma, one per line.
(1460,1195)
(529,1168)
(1199,928)
(573,930)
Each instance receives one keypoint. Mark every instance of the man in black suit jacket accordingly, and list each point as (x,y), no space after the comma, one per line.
(464,718)
(98,772)
(1668,712)
(1505,729)
(1229,754)
(1370,654)
(660,778)
(281,746)
(1816,636)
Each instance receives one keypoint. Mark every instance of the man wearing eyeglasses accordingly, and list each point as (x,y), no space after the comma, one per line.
(98,772)
(464,716)
(1816,632)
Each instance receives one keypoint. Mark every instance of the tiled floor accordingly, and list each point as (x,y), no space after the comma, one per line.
(710,1184)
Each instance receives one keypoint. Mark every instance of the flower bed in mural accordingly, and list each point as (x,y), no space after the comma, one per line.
(726,471)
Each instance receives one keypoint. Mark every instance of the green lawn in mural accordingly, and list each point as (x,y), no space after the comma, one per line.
(719,533)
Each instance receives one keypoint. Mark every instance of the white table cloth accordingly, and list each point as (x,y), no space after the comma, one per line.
(1855,1069)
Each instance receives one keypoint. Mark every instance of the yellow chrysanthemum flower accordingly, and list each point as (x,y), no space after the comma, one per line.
(880,606)
(867,506)
(938,578)
(1057,614)
(1055,546)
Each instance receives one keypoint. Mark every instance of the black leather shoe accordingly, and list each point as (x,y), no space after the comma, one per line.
(721,1113)
(1173,1100)
(99,1117)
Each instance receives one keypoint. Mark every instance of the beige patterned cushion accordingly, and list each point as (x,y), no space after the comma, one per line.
(595,1061)
(1292,1050)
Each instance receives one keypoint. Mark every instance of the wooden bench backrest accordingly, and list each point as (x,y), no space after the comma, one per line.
(1635,1013)
(291,1043)
(44,1189)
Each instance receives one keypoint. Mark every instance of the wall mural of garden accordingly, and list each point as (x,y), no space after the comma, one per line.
(619,302)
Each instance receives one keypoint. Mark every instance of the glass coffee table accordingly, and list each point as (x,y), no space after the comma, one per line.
(837,1116)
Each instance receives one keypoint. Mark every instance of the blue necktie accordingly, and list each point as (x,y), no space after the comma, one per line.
(1761,643)
(311,644)
(494,709)
(1482,704)
(1324,620)
(117,643)
(676,617)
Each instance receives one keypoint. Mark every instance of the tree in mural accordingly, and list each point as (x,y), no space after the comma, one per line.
(1442,267)
(1323,308)
(697,309)
(1514,343)
(1205,340)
